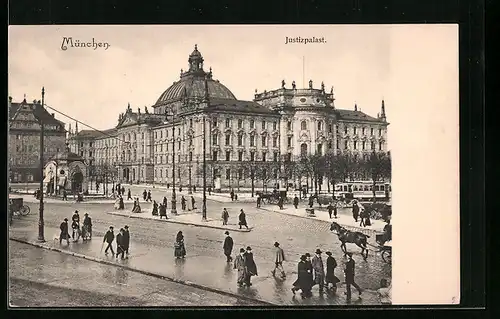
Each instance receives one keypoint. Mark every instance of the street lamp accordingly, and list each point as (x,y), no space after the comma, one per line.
(204,206)
(174,200)
(41,237)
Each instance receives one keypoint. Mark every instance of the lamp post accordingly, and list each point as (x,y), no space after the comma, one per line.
(174,200)
(204,206)
(41,237)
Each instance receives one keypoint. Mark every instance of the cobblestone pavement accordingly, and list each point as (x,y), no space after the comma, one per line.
(296,235)
(43,278)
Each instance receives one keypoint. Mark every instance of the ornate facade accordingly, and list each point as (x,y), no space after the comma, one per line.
(242,137)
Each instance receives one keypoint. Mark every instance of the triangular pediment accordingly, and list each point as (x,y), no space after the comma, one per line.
(127,120)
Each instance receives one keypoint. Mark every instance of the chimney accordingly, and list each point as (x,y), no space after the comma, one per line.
(53,115)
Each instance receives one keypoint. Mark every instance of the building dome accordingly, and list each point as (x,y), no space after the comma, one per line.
(195,83)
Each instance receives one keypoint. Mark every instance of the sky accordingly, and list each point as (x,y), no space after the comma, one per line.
(414,68)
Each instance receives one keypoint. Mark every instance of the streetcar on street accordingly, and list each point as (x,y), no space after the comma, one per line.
(362,190)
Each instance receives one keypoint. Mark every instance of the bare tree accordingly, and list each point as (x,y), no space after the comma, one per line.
(289,167)
(378,166)
(252,168)
(264,173)
(335,165)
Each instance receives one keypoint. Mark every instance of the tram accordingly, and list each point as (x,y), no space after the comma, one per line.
(363,190)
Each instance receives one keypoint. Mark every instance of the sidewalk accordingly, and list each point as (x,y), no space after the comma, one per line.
(206,272)
(189,218)
(343,218)
(32,199)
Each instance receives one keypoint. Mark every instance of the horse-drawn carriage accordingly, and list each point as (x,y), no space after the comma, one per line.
(17,206)
(272,197)
(385,247)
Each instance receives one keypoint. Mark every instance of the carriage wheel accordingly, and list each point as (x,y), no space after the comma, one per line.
(24,210)
(387,256)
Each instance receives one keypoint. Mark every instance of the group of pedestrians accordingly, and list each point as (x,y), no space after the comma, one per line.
(242,218)
(85,232)
(122,242)
(359,212)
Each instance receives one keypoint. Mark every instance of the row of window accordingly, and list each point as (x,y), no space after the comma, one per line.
(263,174)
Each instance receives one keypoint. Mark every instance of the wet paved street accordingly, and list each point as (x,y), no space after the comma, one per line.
(155,240)
(43,278)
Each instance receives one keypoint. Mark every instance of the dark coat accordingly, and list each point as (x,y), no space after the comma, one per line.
(228,245)
(250,265)
(126,239)
(310,268)
(304,276)
(109,237)
(349,271)
(331,264)
(165,201)
(355,209)
(64,228)
(163,210)
(295,201)
(119,240)
(87,221)
(242,219)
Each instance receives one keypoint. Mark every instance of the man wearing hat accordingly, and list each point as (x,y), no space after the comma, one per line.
(126,240)
(87,225)
(278,261)
(75,225)
(251,267)
(355,210)
(319,270)
(303,281)
(119,244)
(64,231)
(228,247)
(239,264)
(330,279)
(309,268)
(349,276)
(108,238)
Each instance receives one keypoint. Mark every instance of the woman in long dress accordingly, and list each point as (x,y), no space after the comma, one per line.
(303,282)
(121,203)
(330,278)
(155,208)
(117,203)
(179,248)
(137,207)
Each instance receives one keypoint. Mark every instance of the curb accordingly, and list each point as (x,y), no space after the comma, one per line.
(144,272)
(370,232)
(181,222)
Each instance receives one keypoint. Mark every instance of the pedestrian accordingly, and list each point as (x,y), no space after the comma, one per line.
(355,210)
(278,260)
(311,201)
(87,226)
(303,281)
(165,201)
(239,264)
(126,240)
(310,269)
(148,199)
(163,211)
(145,195)
(108,238)
(129,195)
(179,248)
(119,244)
(194,188)
(65,195)
(362,216)
(137,206)
(228,247)
(295,201)
(251,267)
(350,265)
(232,195)
(193,202)
(335,206)
(330,210)
(209,190)
(183,203)
(235,197)
(225,216)
(123,190)
(330,279)
(155,208)
(280,202)
(319,270)
(121,204)
(75,225)
(242,219)
(64,231)
(259,200)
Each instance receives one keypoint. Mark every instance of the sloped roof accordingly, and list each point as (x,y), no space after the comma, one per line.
(239,106)
(350,115)
(38,111)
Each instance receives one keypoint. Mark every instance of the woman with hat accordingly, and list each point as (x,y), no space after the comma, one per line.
(239,264)
(330,278)
(87,227)
(179,248)
(251,267)
(303,281)
(278,261)
(64,231)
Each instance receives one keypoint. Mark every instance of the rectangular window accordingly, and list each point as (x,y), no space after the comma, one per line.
(330,128)
(228,139)
(363,131)
(252,140)
(214,122)
(156,135)
(275,141)
(240,140)
(354,130)
(379,132)
(275,156)
(363,145)
(380,144)
(264,140)
(372,145)
(191,123)
(228,123)
(81,143)
(289,125)
(228,173)
(263,156)
(190,156)
(178,159)
(275,126)
(355,144)
(228,155)
(345,145)
(289,141)
(371,131)
(90,144)
(214,156)
(320,149)
(252,124)
(345,129)
(81,153)
(240,156)
(214,139)
(240,123)
(263,125)
(90,153)
(178,148)
(252,156)
(240,173)
(320,126)
(161,173)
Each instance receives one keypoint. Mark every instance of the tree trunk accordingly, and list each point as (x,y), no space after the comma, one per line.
(373,190)
(253,184)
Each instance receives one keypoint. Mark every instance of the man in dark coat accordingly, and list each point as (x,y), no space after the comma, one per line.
(232,195)
(183,203)
(193,202)
(355,211)
(87,224)
(310,269)
(228,247)
(259,200)
(279,258)
(303,281)
(145,195)
(65,195)
(165,201)
(319,270)
(148,199)
(295,201)
(225,216)
(311,201)
(330,278)
(242,219)
(250,266)
(64,231)
(108,238)
(280,202)
(350,265)
(163,211)
(123,190)
(129,194)
(126,240)
(119,244)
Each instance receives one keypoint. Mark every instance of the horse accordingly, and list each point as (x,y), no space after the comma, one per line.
(347,236)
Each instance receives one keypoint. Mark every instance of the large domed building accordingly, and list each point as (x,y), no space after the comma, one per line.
(247,142)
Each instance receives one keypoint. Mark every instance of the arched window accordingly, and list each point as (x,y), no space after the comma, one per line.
(303,125)
(320,126)
(303,149)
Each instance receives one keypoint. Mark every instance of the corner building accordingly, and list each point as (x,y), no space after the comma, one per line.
(242,137)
